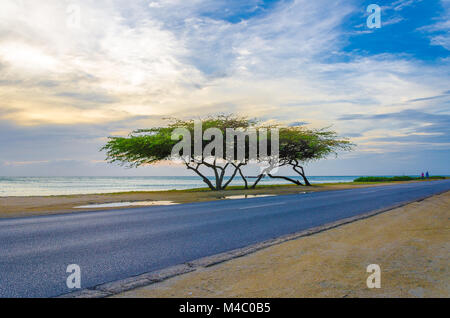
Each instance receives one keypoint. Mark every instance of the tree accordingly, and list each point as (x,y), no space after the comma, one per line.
(298,145)
(150,146)
(275,146)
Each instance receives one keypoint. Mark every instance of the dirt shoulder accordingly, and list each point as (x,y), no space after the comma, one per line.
(28,206)
(411,244)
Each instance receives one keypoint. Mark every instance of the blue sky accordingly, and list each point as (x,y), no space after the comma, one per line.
(402,32)
(74,72)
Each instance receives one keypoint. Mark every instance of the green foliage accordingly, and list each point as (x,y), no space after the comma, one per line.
(396,178)
(148,146)
(138,149)
(303,145)
(296,145)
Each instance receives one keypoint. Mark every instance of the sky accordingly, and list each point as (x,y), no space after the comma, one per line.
(74,72)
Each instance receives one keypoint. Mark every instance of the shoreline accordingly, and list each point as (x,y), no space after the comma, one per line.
(11,207)
(20,187)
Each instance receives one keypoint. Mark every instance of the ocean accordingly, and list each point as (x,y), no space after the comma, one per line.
(46,186)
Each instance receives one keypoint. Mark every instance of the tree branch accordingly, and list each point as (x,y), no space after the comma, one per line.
(242,175)
(257,180)
(286,178)
(197,171)
(302,172)
(232,176)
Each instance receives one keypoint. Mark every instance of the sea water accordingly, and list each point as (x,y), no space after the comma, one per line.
(45,186)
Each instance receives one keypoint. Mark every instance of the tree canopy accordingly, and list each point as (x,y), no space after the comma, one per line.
(150,146)
(294,147)
(299,145)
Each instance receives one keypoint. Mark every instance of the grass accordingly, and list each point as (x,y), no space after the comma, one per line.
(396,178)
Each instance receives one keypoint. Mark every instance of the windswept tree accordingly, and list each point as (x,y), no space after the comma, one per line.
(177,141)
(226,144)
(298,145)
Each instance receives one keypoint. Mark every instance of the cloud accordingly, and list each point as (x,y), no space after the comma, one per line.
(298,123)
(401,4)
(404,130)
(128,65)
(90,64)
(23,163)
(393,20)
(140,63)
(439,32)
(445,94)
(158,61)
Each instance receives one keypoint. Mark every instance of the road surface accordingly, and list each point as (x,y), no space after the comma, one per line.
(113,245)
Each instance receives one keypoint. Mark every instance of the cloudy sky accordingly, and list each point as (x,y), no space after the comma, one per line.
(74,72)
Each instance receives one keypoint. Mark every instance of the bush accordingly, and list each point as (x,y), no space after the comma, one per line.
(389,179)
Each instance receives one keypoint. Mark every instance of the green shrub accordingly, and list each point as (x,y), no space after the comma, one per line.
(396,178)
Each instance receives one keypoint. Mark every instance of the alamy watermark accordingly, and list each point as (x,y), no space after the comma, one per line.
(241,145)
(73,281)
(374,19)
(374,279)
(73,20)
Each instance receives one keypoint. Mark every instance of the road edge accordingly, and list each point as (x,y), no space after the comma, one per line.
(149,278)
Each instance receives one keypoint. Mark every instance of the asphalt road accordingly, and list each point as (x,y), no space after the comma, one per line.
(113,245)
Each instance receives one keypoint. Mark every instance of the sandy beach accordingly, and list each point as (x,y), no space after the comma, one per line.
(42,205)
(410,244)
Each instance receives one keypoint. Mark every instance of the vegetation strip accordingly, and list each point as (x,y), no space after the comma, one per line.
(396,178)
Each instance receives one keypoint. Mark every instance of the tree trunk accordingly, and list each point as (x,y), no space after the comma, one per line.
(205,179)
(243,178)
(222,175)
(218,177)
(257,180)
(302,173)
(286,178)
(218,181)
(306,180)
(232,176)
